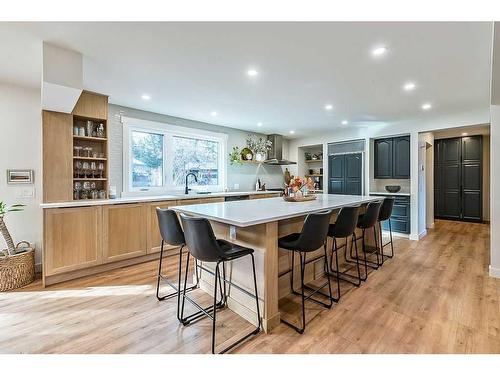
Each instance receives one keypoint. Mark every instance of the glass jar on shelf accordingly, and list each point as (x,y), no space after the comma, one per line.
(100,168)
(100,130)
(77,151)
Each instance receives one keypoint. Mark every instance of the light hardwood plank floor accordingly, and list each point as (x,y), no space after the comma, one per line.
(434,297)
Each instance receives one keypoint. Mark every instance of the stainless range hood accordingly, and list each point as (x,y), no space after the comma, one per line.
(275,154)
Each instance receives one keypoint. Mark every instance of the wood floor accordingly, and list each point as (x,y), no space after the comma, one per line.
(433,297)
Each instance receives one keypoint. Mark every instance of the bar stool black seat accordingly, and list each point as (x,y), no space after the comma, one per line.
(204,247)
(385,214)
(366,221)
(311,238)
(171,234)
(344,227)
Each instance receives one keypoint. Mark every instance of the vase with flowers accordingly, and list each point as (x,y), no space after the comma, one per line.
(259,147)
(299,187)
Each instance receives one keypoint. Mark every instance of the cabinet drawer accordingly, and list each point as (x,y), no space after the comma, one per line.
(401,210)
(398,224)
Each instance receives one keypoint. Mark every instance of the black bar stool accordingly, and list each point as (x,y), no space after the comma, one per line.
(366,221)
(203,246)
(311,238)
(385,214)
(172,234)
(344,227)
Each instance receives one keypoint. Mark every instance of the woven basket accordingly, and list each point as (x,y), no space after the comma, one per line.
(17,270)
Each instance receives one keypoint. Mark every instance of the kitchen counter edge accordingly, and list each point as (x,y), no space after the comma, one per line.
(149,198)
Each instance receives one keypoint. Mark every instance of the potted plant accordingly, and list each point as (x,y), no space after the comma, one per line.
(259,147)
(235,156)
(17,263)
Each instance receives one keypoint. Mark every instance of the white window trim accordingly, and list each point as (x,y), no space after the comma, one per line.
(168,131)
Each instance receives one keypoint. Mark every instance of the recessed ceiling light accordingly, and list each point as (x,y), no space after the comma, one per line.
(259,124)
(345,122)
(252,73)
(426,106)
(292,132)
(328,107)
(145,97)
(409,86)
(379,51)
(213,113)
(465,133)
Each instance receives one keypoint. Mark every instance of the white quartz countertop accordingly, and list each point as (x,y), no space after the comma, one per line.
(253,212)
(149,198)
(387,193)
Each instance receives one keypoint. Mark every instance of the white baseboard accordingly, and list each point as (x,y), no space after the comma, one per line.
(494,271)
(416,237)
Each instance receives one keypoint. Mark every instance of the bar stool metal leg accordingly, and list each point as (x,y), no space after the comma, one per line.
(304,286)
(382,245)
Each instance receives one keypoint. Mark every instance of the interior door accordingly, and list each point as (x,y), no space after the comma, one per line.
(472,177)
(458,178)
(345,174)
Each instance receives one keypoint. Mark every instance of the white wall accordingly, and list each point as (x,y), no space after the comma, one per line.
(20,132)
(411,127)
(425,186)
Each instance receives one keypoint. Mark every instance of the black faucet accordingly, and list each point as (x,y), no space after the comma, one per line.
(186,190)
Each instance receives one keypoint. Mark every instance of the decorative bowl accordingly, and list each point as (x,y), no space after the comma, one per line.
(393,188)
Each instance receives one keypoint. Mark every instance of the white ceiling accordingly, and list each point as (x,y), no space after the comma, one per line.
(192,69)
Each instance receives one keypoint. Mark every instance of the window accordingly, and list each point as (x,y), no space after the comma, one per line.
(199,156)
(157,157)
(147,159)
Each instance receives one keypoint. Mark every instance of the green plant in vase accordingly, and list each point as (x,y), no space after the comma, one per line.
(4,209)
(235,156)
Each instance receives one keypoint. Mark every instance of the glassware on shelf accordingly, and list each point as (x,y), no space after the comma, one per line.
(84,194)
(101,155)
(95,154)
(94,194)
(100,168)
(86,169)
(87,151)
(93,168)
(102,194)
(100,131)
(78,166)
(81,131)
(77,150)
(89,129)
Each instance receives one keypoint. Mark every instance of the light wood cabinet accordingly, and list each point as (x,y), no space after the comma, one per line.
(154,238)
(124,231)
(57,156)
(92,105)
(72,239)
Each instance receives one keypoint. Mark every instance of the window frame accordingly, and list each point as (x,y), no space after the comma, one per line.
(169,131)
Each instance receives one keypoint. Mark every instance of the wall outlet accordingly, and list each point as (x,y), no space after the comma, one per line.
(236,186)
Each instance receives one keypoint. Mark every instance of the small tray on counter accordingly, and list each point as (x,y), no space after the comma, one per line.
(310,197)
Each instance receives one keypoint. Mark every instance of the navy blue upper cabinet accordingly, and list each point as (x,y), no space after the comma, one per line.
(383,158)
(392,158)
(401,157)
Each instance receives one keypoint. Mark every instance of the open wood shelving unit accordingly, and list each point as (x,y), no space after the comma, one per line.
(59,141)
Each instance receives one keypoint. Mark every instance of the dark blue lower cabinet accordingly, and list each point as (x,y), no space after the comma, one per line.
(400,218)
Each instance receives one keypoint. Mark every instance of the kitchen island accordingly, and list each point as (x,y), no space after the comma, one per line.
(258,225)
